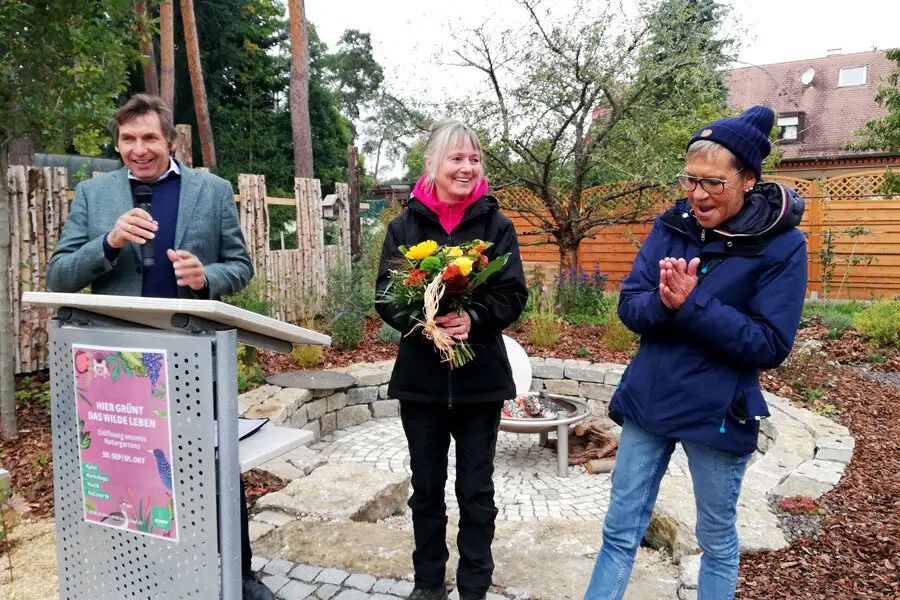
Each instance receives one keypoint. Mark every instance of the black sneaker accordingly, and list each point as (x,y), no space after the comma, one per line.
(429,594)
(254,589)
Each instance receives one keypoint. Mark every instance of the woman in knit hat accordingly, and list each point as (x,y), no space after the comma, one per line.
(715,293)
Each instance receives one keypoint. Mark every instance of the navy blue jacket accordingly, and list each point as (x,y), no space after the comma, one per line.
(696,374)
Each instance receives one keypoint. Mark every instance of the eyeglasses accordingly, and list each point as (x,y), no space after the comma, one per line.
(711,185)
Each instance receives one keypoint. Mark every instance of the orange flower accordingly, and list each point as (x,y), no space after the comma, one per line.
(482,261)
(480,247)
(418,274)
(450,272)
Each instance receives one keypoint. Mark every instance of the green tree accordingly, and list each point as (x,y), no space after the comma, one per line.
(62,67)
(884,133)
(357,76)
(392,130)
(593,97)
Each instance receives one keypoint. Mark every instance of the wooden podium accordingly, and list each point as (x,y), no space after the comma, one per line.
(144,409)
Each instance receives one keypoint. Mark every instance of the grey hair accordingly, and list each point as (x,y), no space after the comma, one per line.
(444,137)
(710,149)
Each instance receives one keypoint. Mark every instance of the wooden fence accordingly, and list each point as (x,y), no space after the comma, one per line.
(38,208)
(853,237)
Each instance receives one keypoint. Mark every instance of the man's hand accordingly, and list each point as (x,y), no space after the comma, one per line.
(134,226)
(189,270)
(677,279)
(456,324)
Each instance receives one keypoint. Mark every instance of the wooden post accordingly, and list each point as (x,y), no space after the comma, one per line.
(353,176)
(167,50)
(343,193)
(183,151)
(310,241)
(254,214)
(814,242)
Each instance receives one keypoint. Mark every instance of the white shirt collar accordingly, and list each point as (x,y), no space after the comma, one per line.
(173,168)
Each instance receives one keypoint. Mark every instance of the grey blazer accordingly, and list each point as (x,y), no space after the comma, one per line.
(208,226)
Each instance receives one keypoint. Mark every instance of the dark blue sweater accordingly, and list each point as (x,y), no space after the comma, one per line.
(159,281)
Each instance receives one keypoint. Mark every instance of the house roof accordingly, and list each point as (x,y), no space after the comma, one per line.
(832,113)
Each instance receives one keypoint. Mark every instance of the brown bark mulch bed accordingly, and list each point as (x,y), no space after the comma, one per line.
(857,553)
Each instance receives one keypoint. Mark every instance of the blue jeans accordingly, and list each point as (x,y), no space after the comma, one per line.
(641,462)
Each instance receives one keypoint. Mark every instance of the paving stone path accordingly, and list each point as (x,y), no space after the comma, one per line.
(525,480)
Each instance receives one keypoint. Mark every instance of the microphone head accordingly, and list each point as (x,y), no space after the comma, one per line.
(143,193)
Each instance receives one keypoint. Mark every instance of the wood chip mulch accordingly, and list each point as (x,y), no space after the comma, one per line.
(857,553)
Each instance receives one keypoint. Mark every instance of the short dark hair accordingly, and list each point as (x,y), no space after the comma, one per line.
(140,105)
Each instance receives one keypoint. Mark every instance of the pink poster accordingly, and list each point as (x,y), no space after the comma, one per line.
(125,439)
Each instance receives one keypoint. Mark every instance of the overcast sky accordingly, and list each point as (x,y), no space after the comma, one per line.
(408,34)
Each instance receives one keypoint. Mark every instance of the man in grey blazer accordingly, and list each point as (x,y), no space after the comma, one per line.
(198,247)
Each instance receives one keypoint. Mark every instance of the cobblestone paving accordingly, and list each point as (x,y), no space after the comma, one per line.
(292,581)
(527,486)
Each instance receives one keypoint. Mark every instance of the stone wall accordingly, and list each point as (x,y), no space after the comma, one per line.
(325,411)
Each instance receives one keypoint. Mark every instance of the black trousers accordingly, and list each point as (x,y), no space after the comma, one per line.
(428,429)
(246,552)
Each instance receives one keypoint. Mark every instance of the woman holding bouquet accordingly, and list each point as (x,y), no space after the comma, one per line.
(439,400)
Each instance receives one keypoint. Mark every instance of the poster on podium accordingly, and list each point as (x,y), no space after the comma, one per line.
(125,439)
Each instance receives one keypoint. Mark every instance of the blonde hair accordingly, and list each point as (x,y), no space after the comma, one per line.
(445,136)
(710,149)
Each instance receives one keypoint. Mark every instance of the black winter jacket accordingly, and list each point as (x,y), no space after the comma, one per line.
(419,375)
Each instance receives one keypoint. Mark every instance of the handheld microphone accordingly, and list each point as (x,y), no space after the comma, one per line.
(143,199)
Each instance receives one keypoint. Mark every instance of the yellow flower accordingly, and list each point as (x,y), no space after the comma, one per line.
(422,250)
(465,264)
(453,251)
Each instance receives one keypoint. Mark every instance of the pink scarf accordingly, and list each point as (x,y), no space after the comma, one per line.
(448,215)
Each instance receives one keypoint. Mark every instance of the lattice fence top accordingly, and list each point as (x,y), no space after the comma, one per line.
(612,197)
(861,185)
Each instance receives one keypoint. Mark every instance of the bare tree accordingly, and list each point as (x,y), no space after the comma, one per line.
(167,49)
(7,339)
(300,126)
(581,101)
(204,127)
(151,78)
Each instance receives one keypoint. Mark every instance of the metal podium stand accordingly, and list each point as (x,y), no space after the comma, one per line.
(202,560)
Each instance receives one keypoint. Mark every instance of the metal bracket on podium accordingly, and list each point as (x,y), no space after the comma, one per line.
(197,324)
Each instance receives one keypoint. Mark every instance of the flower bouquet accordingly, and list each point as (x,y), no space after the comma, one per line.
(432,271)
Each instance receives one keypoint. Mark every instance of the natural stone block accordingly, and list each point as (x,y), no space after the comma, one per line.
(279,566)
(277,413)
(596,391)
(276,519)
(549,368)
(296,590)
(275,582)
(383,391)
(343,491)
(833,455)
(385,408)
(370,376)
(316,408)
(689,571)
(299,418)
(353,415)
(257,529)
(800,485)
(537,385)
(362,395)
(599,408)
(305,572)
(566,387)
(304,459)
(835,443)
(281,469)
(259,394)
(292,397)
(614,374)
(316,429)
(322,393)
(592,373)
(360,582)
(329,423)
(336,401)
(822,471)
(687,594)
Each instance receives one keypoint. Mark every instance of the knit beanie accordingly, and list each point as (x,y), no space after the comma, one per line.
(747,136)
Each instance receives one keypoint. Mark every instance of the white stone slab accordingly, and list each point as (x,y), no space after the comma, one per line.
(157,312)
(270,442)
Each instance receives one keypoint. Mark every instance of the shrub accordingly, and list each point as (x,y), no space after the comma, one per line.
(388,335)
(544,330)
(880,324)
(250,374)
(345,288)
(581,296)
(800,505)
(347,328)
(837,321)
(307,357)
(252,298)
(581,352)
(616,336)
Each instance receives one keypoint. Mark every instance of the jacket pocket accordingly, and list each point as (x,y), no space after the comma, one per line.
(749,406)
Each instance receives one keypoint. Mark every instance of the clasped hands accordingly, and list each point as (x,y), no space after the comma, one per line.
(677,278)
(455,324)
(138,226)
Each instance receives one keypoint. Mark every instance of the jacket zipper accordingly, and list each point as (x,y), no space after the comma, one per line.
(450,370)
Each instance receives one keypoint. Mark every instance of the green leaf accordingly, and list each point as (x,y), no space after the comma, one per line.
(161,413)
(493,266)
(90,506)
(116,373)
